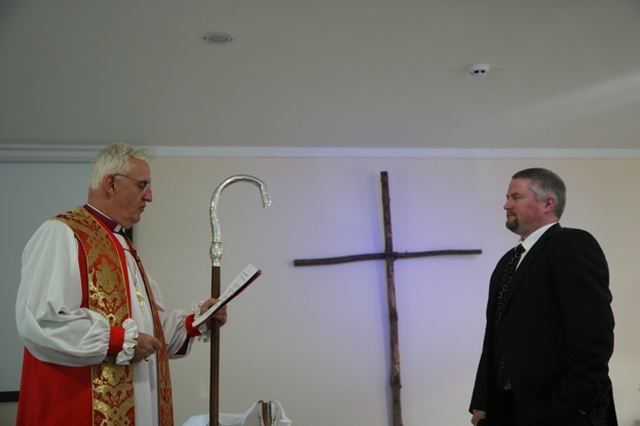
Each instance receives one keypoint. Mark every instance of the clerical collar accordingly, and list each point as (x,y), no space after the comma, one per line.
(108,222)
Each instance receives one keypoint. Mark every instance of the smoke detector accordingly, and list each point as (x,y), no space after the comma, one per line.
(479,69)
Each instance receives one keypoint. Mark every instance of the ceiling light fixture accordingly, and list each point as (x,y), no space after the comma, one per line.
(217,37)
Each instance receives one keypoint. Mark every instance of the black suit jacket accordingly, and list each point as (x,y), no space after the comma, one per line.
(556,333)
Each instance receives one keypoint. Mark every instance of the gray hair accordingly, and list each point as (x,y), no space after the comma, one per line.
(546,184)
(113,159)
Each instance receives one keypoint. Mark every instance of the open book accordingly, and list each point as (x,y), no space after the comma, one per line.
(244,278)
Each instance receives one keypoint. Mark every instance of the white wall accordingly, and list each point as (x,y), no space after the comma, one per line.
(315,338)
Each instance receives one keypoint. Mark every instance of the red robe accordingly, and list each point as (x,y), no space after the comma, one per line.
(53,394)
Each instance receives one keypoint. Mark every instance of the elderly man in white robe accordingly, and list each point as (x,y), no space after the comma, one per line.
(96,334)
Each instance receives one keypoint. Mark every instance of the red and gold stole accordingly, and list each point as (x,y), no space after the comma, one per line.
(107,289)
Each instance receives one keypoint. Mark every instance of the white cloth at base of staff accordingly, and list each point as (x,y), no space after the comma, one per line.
(261,413)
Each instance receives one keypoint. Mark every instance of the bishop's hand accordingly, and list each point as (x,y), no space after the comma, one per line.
(146,346)
(220,315)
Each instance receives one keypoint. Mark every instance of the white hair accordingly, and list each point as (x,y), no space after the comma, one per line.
(113,159)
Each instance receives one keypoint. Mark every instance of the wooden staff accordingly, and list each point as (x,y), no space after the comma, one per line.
(216,257)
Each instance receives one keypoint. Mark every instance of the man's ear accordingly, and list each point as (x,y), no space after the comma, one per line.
(550,204)
(109,184)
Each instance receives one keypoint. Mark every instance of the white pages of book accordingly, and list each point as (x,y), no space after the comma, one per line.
(244,278)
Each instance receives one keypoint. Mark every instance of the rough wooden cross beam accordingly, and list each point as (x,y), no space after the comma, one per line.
(389,256)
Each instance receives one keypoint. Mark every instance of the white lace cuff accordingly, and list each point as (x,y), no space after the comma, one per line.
(129,345)
(203,328)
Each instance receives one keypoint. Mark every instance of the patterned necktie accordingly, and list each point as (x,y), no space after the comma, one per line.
(503,289)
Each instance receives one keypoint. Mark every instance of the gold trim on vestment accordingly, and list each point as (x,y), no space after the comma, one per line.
(112,384)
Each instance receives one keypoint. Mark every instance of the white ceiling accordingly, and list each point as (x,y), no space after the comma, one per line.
(321,73)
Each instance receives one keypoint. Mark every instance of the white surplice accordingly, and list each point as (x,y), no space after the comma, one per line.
(56,329)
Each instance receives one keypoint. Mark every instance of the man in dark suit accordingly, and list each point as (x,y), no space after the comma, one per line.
(549,332)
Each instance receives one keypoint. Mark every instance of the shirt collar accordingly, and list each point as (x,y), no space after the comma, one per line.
(528,242)
(106,220)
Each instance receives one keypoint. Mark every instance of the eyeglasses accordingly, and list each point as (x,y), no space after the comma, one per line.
(143,185)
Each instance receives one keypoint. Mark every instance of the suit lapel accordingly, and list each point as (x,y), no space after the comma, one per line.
(529,259)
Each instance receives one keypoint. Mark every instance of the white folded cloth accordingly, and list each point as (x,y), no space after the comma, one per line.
(261,413)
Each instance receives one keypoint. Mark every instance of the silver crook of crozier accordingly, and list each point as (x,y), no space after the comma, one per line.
(216,244)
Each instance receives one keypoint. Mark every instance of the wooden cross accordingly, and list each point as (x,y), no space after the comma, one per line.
(389,256)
